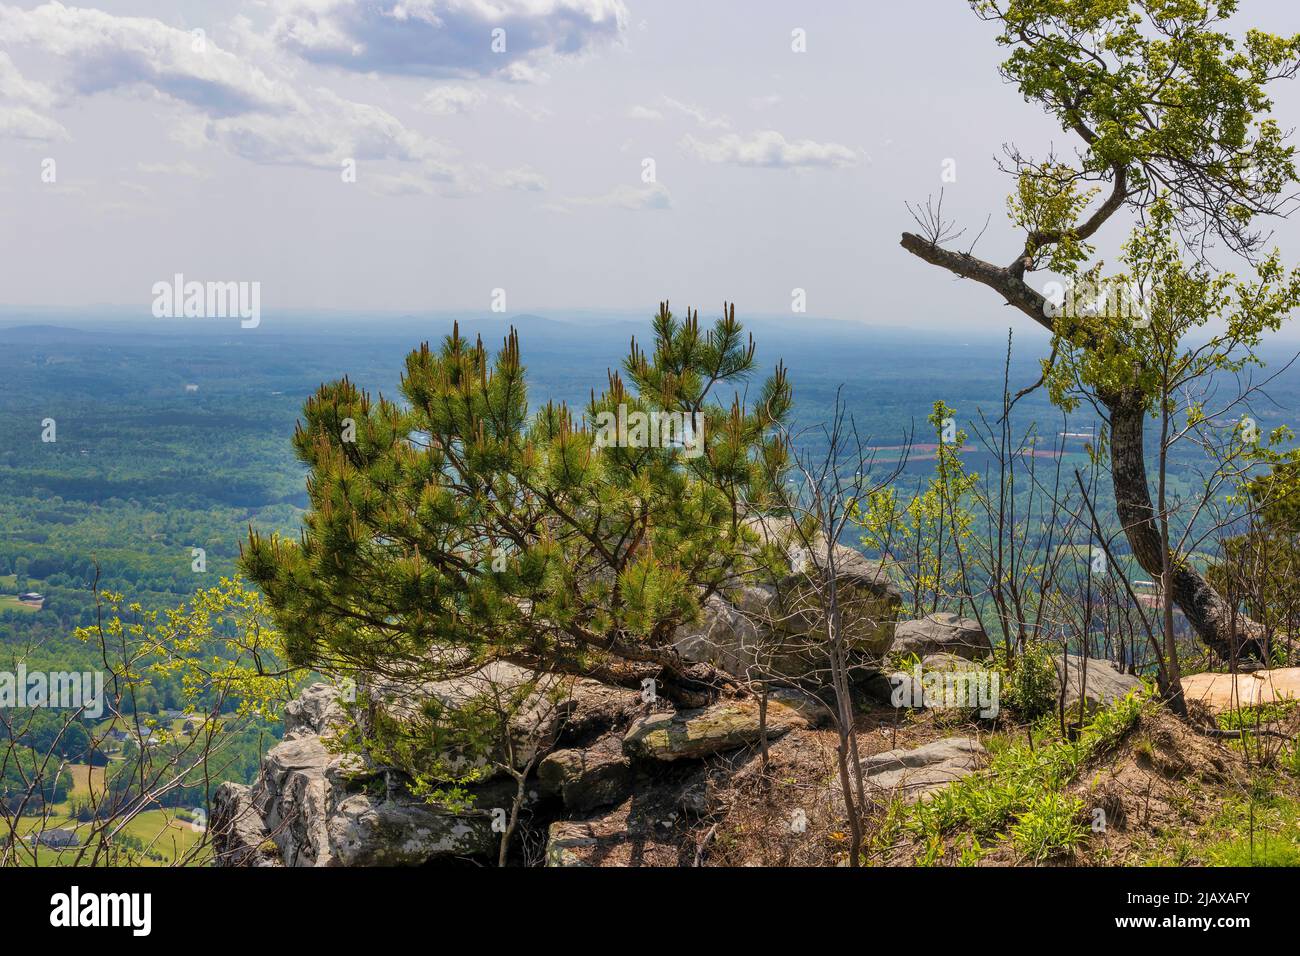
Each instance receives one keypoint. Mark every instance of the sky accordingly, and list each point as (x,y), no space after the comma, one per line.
(592,154)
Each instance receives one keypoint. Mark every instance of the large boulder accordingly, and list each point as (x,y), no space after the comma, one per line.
(689,734)
(868,603)
(1098,683)
(1220,692)
(724,636)
(919,773)
(552,705)
(585,779)
(942,633)
(306,809)
(591,708)
(779,627)
(814,711)
(368,831)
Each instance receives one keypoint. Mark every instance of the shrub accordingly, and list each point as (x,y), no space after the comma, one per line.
(1029,682)
(1049,826)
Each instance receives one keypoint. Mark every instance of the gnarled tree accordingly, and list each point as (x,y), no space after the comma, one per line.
(1166,106)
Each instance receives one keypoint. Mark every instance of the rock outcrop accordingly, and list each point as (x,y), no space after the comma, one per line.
(311,807)
(238,831)
(363,830)
(533,725)
(947,681)
(610,777)
(920,772)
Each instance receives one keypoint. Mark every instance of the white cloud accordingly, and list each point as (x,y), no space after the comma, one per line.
(253,114)
(535,113)
(22,106)
(447,100)
(172,169)
(23,122)
(107,52)
(521,72)
(445,37)
(329,131)
(644,113)
(524,178)
(648,196)
(770,148)
(396,184)
(14,87)
(705,119)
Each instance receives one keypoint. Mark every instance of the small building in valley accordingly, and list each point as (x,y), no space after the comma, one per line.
(57,837)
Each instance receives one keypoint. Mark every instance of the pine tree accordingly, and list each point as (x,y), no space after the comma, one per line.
(457,528)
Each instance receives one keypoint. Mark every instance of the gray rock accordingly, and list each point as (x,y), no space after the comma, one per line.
(291,795)
(868,599)
(698,797)
(238,835)
(948,663)
(316,710)
(779,629)
(348,771)
(723,636)
(876,685)
(366,831)
(594,707)
(532,726)
(814,711)
(585,779)
(578,706)
(687,734)
(919,773)
(1100,684)
(306,809)
(942,633)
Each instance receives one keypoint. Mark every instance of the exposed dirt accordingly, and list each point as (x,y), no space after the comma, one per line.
(1163,780)
(792,815)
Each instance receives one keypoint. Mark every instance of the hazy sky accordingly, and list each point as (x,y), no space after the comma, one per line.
(221,156)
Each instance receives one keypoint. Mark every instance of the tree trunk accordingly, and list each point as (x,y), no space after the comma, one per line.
(1210,616)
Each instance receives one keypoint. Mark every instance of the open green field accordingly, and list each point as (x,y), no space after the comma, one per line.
(9,595)
(166,838)
(165,835)
(10,602)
